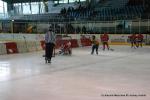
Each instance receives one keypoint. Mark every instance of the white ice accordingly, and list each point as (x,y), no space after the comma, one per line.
(82,76)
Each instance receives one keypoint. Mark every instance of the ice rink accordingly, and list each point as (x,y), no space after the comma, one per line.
(122,74)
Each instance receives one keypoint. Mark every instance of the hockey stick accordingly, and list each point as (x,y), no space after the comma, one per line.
(53,52)
(25,42)
(111,49)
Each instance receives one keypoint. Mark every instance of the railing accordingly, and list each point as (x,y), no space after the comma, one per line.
(3,16)
(128,12)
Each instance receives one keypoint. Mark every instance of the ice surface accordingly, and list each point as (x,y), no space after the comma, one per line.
(81,76)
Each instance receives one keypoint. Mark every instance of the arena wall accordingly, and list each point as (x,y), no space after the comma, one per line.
(21,43)
(114,38)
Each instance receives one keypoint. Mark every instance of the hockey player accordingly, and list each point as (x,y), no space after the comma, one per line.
(133,40)
(66,48)
(104,40)
(140,40)
(95,44)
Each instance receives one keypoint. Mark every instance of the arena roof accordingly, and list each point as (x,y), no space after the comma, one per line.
(20,1)
(24,1)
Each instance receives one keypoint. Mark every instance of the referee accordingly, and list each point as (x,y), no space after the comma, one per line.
(50,43)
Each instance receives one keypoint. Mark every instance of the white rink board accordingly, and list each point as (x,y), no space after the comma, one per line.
(40,37)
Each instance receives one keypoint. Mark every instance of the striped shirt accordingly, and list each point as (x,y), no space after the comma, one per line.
(50,37)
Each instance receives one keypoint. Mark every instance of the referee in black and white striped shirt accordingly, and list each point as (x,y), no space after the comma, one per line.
(50,43)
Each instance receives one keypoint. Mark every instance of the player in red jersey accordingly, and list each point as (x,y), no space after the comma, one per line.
(133,40)
(104,40)
(140,38)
